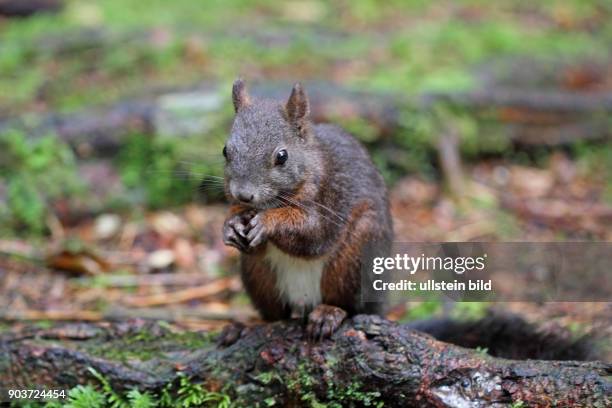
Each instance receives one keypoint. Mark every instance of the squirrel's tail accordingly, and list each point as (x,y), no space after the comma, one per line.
(509,336)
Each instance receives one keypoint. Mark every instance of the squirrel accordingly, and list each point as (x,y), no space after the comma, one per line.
(308,209)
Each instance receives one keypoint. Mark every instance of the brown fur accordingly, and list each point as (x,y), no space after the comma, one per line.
(237,209)
(341,277)
(260,283)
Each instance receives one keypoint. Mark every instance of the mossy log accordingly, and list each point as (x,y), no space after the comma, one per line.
(368,361)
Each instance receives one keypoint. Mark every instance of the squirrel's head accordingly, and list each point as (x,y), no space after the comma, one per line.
(270,151)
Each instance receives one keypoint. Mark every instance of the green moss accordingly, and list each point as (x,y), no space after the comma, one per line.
(595,162)
(338,395)
(144,345)
(36,171)
(155,173)
(422,310)
(341,396)
(5,327)
(470,310)
(270,402)
(268,377)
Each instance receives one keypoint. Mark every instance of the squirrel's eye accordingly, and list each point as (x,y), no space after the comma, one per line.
(225,152)
(281,157)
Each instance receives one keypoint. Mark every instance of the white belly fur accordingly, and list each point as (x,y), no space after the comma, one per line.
(298,280)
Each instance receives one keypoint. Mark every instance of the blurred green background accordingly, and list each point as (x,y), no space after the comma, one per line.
(101,53)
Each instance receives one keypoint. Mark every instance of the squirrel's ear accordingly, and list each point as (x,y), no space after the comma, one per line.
(240,96)
(297,107)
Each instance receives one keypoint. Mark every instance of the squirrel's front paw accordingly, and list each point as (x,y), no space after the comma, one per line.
(257,231)
(234,231)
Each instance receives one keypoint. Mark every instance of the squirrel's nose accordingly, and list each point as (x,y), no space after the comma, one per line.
(245,197)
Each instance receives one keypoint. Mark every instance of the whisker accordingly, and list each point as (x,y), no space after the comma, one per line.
(184,173)
(211,187)
(196,164)
(210,179)
(301,205)
(332,212)
(212,182)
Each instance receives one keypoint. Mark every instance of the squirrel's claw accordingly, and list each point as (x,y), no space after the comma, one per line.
(323,321)
(240,230)
(234,233)
(257,232)
(236,242)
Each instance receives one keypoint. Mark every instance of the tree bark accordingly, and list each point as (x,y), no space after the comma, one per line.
(368,359)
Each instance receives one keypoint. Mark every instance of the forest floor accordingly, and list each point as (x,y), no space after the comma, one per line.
(172,264)
(157,257)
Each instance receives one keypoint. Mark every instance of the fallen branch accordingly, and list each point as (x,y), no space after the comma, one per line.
(157,279)
(561,134)
(195,293)
(530,100)
(369,357)
(62,315)
(102,129)
(197,109)
(177,314)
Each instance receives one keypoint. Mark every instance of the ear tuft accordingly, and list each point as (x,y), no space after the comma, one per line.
(297,107)
(240,96)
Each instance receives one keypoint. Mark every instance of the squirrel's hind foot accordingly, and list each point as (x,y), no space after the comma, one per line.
(323,321)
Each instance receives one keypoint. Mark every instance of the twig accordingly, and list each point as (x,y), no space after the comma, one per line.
(215,311)
(450,161)
(25,315)
(180,296)
(178,279)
